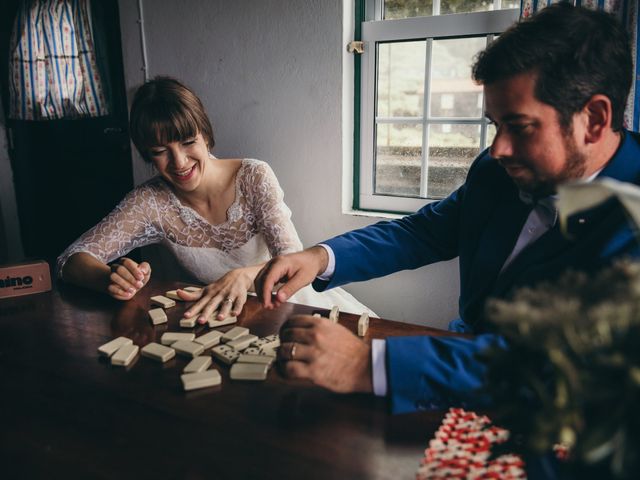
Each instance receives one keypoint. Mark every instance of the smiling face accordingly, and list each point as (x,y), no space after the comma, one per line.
(535,150)
(183,163)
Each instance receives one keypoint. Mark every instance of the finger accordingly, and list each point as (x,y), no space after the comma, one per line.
(132,267)
(210,310)
(209,304)
(190,296)
(295,351)
(116,279)
(292,285)
(298,335)
(126,273)
(297,370)
(303,321)
(205,297)
(145,268)
(225,307)
(271,274)
(118,293)
(241,299)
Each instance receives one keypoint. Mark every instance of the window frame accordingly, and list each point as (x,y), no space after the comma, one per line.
(372,30)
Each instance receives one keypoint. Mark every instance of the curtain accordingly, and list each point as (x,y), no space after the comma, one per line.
(53,71)
(627,13)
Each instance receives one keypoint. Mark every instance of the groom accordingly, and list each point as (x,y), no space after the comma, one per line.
(555,87)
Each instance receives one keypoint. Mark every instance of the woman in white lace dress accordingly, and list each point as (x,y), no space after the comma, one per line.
(221,218)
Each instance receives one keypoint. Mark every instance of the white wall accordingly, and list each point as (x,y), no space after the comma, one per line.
(271,74)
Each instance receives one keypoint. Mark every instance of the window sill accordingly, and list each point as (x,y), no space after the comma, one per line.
(372,214)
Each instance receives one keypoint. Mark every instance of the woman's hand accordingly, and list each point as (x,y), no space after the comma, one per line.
(127,278)
(226,295)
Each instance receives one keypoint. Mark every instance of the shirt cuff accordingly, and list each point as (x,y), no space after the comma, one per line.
(379,368)
(331,265)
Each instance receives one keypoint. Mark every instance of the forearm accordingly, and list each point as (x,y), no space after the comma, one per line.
(85,270)
(252,272)
(319,257)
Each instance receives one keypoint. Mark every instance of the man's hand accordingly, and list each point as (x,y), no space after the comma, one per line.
(296,270)
(127,278)
(326,353)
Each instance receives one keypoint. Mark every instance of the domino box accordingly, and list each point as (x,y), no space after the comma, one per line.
(24,278)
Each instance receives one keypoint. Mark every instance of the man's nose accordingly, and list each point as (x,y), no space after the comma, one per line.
(501,146)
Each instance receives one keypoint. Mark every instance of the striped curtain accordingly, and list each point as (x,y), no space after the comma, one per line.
(627,12)
(53,71)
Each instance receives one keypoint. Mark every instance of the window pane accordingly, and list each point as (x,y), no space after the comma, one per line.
(491,133)
(464,6)
(452,149)
(400,83)
(407,8)
(398,159)
(394,9)
(453,93)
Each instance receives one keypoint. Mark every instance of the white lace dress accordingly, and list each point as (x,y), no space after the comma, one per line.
(258,227)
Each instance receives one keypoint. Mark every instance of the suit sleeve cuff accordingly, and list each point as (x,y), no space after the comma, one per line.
(331,265)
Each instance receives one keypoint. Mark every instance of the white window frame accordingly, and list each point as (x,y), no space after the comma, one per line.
(375,30)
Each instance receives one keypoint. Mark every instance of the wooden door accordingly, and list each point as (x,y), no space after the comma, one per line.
(68,174)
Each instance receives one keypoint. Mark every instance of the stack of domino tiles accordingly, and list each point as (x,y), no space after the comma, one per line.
(121,351)
(250,357)
(197,373)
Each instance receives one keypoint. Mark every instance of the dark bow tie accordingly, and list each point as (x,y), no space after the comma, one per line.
(545,206)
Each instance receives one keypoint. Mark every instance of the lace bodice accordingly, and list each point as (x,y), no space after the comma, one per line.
(152,213)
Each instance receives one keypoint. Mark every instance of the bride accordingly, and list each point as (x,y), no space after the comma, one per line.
(223,219)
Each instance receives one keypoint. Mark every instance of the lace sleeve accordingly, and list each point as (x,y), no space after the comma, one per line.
(271,213)
(132,224)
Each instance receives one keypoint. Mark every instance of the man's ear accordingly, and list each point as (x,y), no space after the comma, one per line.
(598,113)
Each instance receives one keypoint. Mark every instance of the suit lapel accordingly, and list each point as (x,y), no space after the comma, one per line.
(547,246)
(496,243)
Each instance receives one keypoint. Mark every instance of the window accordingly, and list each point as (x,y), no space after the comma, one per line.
(421,116)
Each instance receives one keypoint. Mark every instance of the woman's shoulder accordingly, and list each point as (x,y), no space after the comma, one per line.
(154,189)
(253,167)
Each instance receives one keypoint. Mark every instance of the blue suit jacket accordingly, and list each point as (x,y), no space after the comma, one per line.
(480,223)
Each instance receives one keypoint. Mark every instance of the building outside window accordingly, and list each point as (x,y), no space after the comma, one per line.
(421,116)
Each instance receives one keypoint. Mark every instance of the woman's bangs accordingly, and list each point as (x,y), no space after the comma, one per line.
(167,127)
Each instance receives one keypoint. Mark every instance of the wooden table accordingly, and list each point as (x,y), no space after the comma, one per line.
(65,412)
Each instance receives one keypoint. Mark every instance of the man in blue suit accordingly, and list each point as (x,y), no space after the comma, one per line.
(555,86)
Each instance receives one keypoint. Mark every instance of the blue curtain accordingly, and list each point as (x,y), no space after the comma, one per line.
(53,71)
(627,12)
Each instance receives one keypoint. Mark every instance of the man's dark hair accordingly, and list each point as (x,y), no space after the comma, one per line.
(574,52)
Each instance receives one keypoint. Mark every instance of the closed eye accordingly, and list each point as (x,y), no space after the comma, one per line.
(518,127)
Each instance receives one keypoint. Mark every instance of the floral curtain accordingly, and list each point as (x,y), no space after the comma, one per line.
(53,71)
(627,12)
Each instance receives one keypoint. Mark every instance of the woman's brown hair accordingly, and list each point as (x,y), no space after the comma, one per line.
(164,111)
